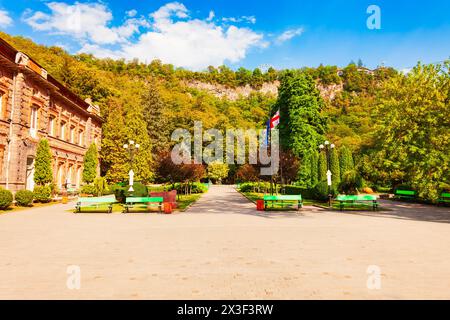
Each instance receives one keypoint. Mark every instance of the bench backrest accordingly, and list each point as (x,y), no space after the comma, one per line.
(445,195)
(285,197)
(97,199)
(144,199)
(405,192)
(356,197)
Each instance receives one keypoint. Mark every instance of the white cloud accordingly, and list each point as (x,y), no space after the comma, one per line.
(5,19)
(289,34)
(85,21)
(211,16)
(247,19)
(174,37)
(169,34)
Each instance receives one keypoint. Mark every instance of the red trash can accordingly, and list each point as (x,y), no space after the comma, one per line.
(167,207)
(260,205)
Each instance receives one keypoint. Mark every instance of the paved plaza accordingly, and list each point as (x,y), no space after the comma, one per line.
(222,248)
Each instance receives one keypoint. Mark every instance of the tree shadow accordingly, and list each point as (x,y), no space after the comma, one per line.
(408,211)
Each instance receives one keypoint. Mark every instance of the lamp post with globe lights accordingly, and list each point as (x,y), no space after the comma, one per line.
(132,148)
(327,147)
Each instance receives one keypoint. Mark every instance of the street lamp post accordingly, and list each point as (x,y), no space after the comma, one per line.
(132,147)
(327,146)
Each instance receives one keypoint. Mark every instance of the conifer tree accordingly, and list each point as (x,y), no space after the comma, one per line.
(114,162)
(156,119)
(136,130)
(90,164)
(335,168)
(322,167)
(43,173)
(345,161)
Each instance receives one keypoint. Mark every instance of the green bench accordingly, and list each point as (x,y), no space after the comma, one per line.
(405,194)
(351,200)
(143,202)
(95,202)
(283,198)
(444,198)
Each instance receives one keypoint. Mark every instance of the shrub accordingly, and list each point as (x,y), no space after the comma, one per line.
(351,182)
(6,199)
(101,186)
(24,198)
(42,193)
(194,187)
(88,189)
(140,190)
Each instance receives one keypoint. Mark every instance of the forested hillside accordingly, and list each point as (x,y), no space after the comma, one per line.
(395,126)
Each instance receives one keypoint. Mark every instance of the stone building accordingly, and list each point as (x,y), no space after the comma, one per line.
(34,105)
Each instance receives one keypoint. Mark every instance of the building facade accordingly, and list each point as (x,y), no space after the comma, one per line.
(33,105)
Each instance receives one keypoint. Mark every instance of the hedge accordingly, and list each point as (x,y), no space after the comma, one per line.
(42,193)
(24,198)
(6,199)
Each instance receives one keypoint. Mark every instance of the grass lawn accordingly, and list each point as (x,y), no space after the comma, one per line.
(186,200)
(183,202)
(14,208)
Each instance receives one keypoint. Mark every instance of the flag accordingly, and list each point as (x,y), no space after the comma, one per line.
(272,123)
(275,120)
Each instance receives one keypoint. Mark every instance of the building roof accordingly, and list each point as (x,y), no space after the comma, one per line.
(21,60)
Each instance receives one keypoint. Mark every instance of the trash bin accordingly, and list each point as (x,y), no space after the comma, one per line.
(167,207)
(260,205)
(65,197)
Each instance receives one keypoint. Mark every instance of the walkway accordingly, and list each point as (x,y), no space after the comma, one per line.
(222,249)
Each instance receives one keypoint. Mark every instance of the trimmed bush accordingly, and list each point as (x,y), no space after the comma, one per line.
(88,189)
(101,186)
(24,198)
(140,190)
(6,199)
(195,187)
(42,193)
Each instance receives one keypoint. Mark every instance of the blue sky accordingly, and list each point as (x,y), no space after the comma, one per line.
(250,33)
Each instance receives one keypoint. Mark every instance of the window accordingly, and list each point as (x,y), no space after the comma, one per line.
(81,138)
(51,126)
(62,134)
(33,121)
(72,134)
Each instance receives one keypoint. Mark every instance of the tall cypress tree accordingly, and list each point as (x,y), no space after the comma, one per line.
(335,168)
(90,164)
(345,161)
(314,168)
(114,162)
(156,119)
(136,130)
(322,167)
(43,173)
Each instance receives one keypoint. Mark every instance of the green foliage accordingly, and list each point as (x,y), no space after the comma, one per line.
(194,187)
(88,189)
(322,167)
(43,173)
(335,168)
(101,186)
(114,164)
(6,199)
(412,140)
(139,190)
(345,161)
(90,164)
(301,123)
(24,198)
(42,193)
(217,171)
(351,183)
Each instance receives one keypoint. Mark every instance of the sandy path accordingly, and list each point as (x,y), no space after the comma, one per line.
(221,248)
